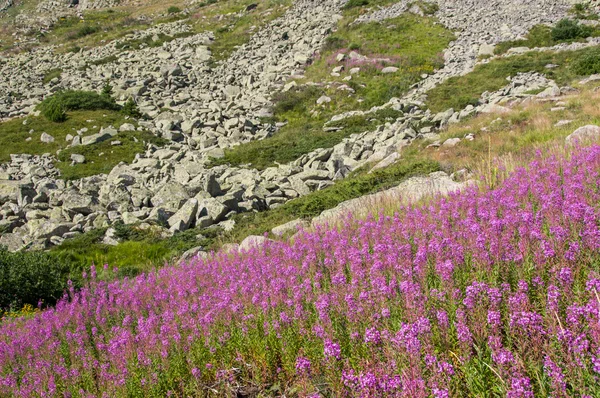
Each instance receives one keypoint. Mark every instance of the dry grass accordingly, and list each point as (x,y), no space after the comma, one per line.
(502,144)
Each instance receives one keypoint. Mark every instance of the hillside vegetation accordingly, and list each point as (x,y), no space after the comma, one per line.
(299,198)
(466,295)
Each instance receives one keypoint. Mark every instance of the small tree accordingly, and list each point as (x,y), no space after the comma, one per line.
(107,89)
(131,109)
(54,111)
(567,29)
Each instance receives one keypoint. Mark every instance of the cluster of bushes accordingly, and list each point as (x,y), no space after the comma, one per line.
(55,107)
(587,64)
(355,3)
(567,29)
(30,277)
(85,30)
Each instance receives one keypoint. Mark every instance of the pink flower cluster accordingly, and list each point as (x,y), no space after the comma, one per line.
(483,292)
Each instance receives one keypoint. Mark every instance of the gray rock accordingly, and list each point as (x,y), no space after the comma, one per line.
(103,135)
(291,226)
(389,69)
(47,138)
(76,202)
(78,159)
(170,197)
(252,241)
(185,216)
(213,208)
(451,142)
(127,127)
(584,134)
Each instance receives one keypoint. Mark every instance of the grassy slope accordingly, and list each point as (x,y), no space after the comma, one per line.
(541,36)
(15,133)
(516,136)
(422,42)
(460,91)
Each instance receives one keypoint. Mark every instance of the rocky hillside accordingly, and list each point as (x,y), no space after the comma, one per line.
(220,114)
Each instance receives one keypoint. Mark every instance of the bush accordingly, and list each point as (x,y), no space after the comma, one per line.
(131,109)
(356,3)
(173,10)
(295,99)
(72,100)
(51,74)
(333,43)
(85,30)
(28,277)
(587,64)
(54,111)
(107,90)
(567,29)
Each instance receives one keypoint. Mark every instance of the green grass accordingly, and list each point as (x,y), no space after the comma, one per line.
(15,133)
(460,91)
(141,250)
(102,157)
(411,43)
(233,26)
(51,74)
(583,11)
(545,36)
(359,184)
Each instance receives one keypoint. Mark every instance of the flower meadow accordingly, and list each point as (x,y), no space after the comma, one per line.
(486,292)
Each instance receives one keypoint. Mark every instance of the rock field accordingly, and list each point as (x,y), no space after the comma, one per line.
(217,106)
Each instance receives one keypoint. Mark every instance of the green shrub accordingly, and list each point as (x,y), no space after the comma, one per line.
(333,43)
(587,64)
(567,29)
(430,8)
(131,109)
(51,74)
(107,90)
(295,99)
(355,3)
(173,10)
(72,100)
(30,277)
(85,30)
(54,111)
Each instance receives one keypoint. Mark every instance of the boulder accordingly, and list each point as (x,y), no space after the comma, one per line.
(185,216)
(584,134)
(103,135)
(211,207)
(170,197)
(47,138)
(291,226)
(253,241)
(78,159)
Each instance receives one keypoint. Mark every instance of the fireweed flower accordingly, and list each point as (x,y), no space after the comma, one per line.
(332,350)
(405,298)
(302,365)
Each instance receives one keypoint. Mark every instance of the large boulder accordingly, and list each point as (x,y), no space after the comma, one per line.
(584,134)
(103,135)
(75,202)
(212,208)
(170,197)
(253,241)
(185,216)
(8,190)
